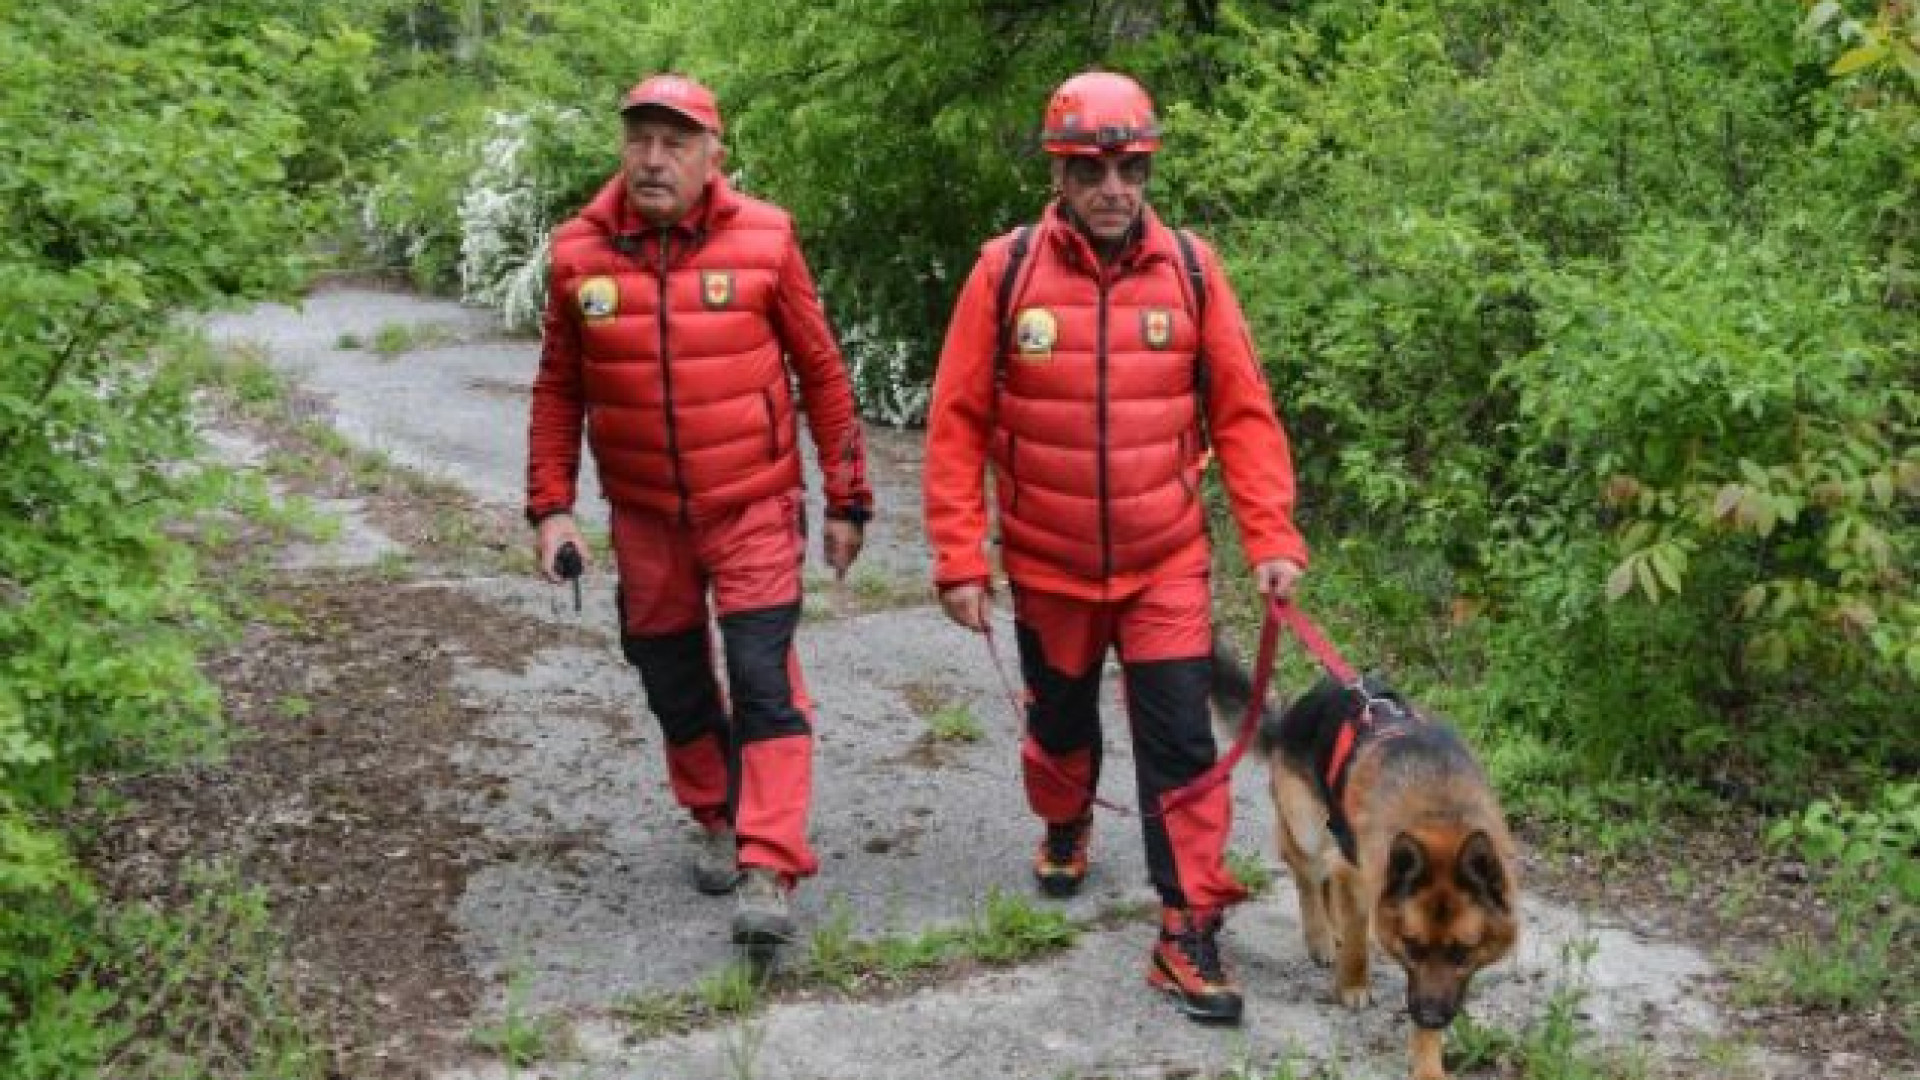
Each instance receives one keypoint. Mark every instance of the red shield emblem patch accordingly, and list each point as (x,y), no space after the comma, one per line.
(716,288)
(1156,327)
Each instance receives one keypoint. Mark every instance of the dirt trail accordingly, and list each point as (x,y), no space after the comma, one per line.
(464,823)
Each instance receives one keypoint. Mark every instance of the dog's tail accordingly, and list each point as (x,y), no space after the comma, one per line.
(1232,691)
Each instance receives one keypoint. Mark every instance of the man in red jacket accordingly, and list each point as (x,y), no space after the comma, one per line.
(1096,360)
(676,310)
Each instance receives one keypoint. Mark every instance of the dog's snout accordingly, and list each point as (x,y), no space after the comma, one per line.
(1431,1013)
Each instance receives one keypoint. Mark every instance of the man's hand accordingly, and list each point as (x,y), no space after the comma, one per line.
(969,605)
(548,537)
(840,542)
(1276,578)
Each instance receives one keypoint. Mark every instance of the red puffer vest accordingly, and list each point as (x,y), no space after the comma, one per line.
(1098,453)
(691,407)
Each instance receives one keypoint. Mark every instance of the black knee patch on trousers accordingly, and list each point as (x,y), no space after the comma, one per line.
(1172,744)
(758,643)
(1173,730)
(1064,715)
(677,671)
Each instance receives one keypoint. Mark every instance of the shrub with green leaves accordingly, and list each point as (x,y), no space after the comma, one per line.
(1867,862)
(1867,850)
(1609,316)
(152,168)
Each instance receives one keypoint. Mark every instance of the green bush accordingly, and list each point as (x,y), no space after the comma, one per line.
(1601,318)
(1867,862)
(151,169)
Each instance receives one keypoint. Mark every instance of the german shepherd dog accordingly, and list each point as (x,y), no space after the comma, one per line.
(1387,822)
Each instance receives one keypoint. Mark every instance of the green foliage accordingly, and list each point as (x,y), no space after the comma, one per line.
(145,992)
(954,723)
(1869,863)
(200,990)
(52,1030)
(1006,929)
(152,168)
(520,1038)
(116,213)
(1868,860)
(895,162)
(734,990)
(1556,1045)
(1593,332)
(1868,850)
(409,215)
(1865,965)
(393,339)
(652,1016)
(1250,871)
(1010,928)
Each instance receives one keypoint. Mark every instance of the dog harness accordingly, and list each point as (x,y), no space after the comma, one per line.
(1376,719)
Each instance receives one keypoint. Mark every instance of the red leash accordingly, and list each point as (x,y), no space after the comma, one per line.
(1279,613)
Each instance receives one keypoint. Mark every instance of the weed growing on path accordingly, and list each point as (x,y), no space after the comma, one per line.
(734,990)
(1556,1045)
(520,1038)
(1007,929)
(1870,872)
(955,724)
(1250,871)
(200,983)
(392,340)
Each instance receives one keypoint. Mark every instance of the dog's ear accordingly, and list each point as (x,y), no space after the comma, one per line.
(1406,866)
(1480,872)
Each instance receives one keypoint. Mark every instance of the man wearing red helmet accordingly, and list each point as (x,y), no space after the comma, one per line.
(1095,362)
(677,309)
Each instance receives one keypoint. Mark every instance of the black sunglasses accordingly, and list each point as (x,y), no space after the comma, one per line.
(1091,171)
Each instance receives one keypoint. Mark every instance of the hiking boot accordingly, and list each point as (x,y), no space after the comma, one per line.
(1186,965)
(715,871)
(1060,866)
(761,914)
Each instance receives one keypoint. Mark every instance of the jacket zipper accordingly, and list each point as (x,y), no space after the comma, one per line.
(666,382)
(1100,414)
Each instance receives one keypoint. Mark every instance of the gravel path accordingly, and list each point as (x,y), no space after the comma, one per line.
(914,834)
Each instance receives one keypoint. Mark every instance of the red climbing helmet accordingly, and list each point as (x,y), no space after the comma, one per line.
(1100,112)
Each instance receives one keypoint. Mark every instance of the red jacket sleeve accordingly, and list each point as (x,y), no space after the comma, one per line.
(826,393)
(557,411)
(959,422)
(1247,436)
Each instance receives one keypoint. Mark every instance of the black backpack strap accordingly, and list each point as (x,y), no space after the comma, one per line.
(1003,308)
(1196,275)
(1197,291)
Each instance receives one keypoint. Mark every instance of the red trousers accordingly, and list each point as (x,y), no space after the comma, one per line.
(750,764)
(1164,638)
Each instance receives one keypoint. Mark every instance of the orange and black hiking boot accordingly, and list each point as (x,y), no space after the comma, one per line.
(1061,863)
(1186,964)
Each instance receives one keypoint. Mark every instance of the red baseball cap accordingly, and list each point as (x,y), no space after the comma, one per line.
(675,93)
